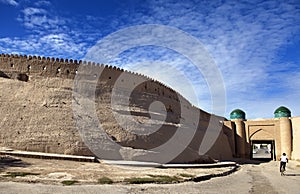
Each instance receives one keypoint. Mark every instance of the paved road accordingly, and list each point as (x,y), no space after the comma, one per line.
(263,178)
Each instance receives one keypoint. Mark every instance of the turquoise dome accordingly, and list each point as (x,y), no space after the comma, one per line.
(282,112)
(237,114)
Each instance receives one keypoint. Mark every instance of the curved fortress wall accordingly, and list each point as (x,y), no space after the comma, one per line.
(36,109)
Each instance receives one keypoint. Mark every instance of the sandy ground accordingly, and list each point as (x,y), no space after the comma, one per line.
(56,171)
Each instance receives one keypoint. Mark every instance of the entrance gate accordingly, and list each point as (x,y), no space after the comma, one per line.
(263,150)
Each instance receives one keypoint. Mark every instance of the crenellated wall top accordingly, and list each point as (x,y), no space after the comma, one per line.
(63,68)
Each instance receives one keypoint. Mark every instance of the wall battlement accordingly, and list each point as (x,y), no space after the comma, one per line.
(12,65)
(52,67)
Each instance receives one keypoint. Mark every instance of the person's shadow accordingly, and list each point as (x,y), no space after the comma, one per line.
(291,174)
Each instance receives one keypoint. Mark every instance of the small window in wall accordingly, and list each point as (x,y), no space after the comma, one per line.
(169,108)
(109,77)
(44,68)
(11,65)
(28,67)
(57,70)
(68,71)
(76,71)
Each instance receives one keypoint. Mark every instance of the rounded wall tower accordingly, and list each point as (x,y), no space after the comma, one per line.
(238,117)
(284,114)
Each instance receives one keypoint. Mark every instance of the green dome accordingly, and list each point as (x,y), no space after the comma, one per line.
(237,114)
(282,112)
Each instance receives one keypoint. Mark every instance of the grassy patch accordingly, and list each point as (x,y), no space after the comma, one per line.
(69,182)
(186,175)
(22,174)
(105,180)
(153,179)
(137,180)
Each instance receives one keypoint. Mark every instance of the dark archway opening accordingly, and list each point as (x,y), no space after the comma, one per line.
(263,150)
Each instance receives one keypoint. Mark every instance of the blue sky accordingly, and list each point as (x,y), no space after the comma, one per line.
(255,44)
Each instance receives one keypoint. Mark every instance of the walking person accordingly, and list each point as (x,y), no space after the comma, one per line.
(283,161)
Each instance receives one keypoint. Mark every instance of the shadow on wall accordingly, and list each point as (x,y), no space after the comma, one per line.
(2,74)
(19,76)
(22,77)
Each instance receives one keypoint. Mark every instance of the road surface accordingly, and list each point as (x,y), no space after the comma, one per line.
(251,178)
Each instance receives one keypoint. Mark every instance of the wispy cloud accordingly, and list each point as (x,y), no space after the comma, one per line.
(49,34)
(42,3)
(10,2)
(244,39)
(40,20)
(55,45)
(62,44)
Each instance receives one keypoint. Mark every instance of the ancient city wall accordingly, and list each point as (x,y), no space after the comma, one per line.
(36,112)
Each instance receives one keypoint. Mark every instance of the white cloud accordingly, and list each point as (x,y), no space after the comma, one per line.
(42,3)
(32,11)
(55,45)
(10,2)
(14,45)
(62,44)
(49,34)
(40,20)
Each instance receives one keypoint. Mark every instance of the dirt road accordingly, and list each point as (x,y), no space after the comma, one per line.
(251,178)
